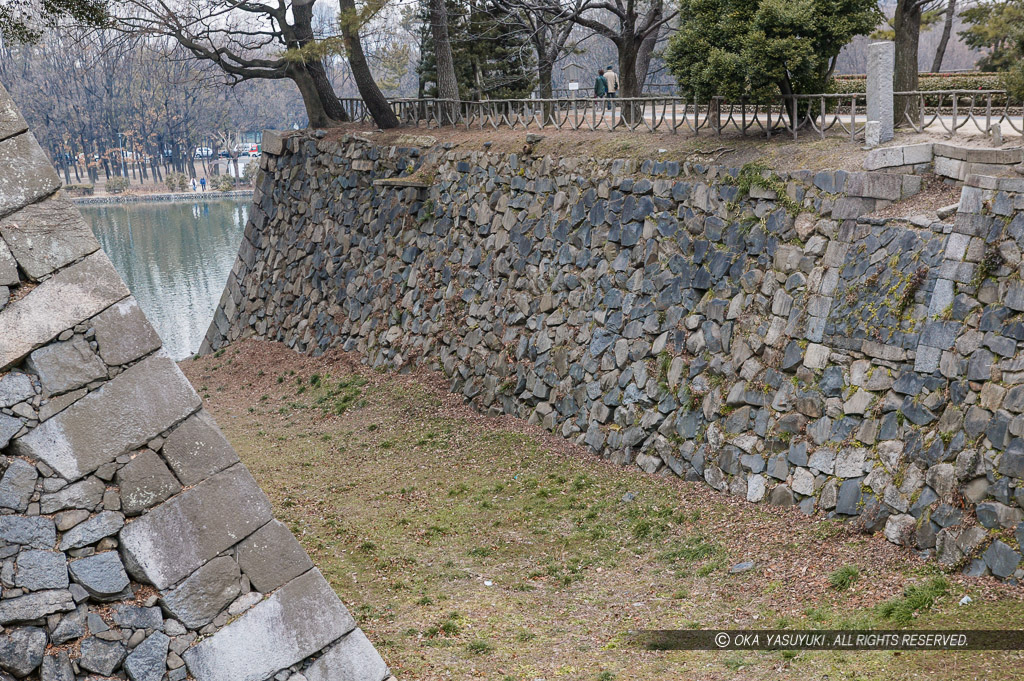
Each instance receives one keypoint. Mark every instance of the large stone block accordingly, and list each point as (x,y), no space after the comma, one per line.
(102,575)
(196,449)
(207,591)
(41,570)
(9,427)
(67,298)
(300,619)
(34,531)
(273,142)
(272,556)
(66,366)
(92,530)
(86,494)
(174,539)
(145,481)
(123,333)
(124,414)
(353,658)
(26,175)
(8,268)
(11,122)
(35,605)
(48,235)
(148,661)
(17,485)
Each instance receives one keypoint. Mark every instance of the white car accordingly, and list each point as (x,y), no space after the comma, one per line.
(204,152)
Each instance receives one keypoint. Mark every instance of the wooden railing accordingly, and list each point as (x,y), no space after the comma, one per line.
(819,115)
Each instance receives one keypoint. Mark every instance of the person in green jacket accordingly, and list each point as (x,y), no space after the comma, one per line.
(600,85)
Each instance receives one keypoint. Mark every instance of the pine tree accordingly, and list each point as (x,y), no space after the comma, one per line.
(492,59)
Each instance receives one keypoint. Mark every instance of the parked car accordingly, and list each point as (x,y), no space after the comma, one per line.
(224,153)
(204,152)
(254,149)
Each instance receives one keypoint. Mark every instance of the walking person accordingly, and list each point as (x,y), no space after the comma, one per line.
(600,87)
(613,87)
(202,183)
(193,184)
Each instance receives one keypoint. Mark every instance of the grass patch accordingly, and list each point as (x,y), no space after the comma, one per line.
(479,647)
(843,578)
(916,599)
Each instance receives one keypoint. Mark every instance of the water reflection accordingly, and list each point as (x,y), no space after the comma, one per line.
(175,258)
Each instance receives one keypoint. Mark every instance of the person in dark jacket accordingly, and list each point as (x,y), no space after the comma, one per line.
(600,85)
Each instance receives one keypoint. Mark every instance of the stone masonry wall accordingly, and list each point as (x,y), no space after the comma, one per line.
(737,327)
(133,543)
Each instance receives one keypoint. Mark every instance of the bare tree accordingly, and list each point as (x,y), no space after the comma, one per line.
(637,22)
(246,40)
(549,29)
(947,30)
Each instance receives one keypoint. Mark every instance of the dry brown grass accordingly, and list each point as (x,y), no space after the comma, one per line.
(477,547)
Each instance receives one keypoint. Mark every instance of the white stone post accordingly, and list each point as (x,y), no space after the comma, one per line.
(881,64)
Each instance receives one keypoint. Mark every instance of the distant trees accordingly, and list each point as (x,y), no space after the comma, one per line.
(997,28)
(760,48)
(25,20)
(89,95)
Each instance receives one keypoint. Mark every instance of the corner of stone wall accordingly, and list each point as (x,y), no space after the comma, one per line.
(132,540)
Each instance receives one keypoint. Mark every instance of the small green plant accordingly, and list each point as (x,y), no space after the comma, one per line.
(988,266)
(914,284)
(916,598)
(758,174)
(843,578)
(479,647)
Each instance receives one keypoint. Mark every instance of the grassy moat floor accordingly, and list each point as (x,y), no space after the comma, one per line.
(476,547)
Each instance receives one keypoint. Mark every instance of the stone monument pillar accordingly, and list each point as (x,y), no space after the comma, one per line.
(881,64)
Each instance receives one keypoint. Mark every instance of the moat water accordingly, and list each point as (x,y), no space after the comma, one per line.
(175,258)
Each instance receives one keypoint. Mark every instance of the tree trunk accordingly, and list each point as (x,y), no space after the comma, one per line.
(907,26)
(318,82)
(544,86)
(315,111)
(375,101)
(646,51)
(447,84)
(629,86)
(325,91)
(947,29)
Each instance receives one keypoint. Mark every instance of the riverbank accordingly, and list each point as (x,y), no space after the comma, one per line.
(153,198)
(480,547)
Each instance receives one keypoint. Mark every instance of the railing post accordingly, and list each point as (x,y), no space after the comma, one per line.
(821,121)
(956,104)
(881,64)
(794,113)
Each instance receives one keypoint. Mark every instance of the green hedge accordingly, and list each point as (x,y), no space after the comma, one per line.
(927,82)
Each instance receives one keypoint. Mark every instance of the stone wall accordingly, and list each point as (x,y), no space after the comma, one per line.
(133,543)
(737,327)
